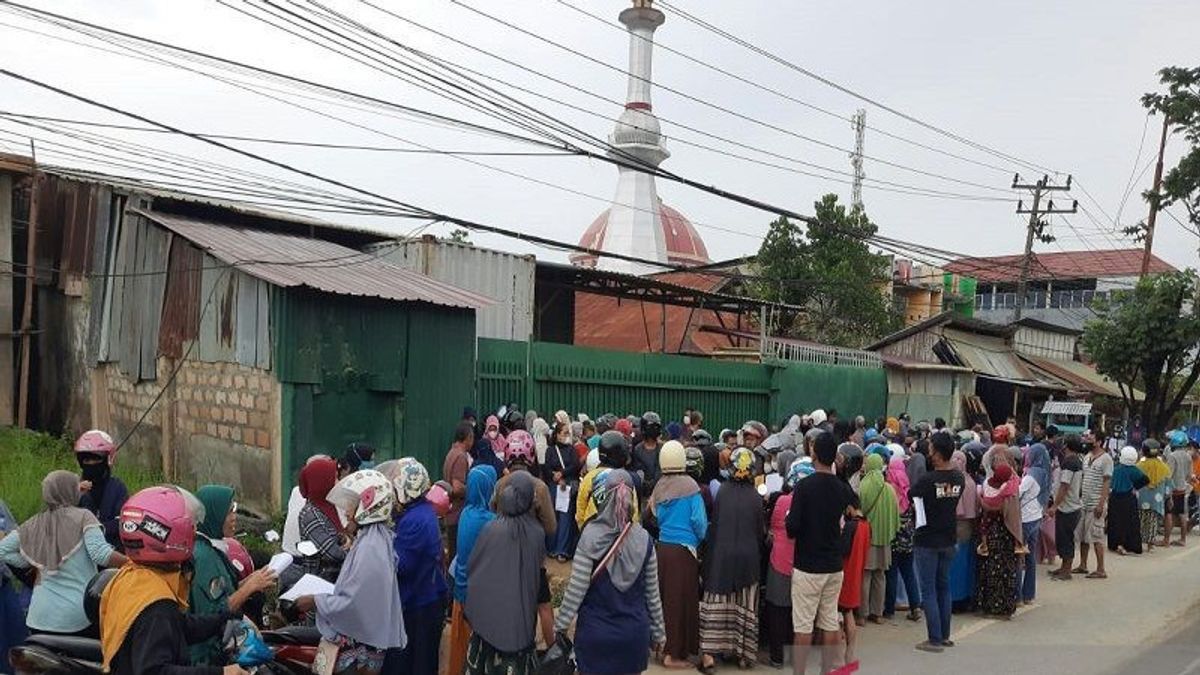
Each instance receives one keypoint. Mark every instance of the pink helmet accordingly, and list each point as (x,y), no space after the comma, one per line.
(439,496)
(520,446)
(157,526)
(239,557)
(97,442)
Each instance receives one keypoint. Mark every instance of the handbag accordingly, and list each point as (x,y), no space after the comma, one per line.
(560,658)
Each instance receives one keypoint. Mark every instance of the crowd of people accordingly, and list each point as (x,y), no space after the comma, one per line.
(685,547)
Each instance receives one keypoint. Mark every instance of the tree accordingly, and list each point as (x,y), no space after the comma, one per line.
(829,270)
(459,235)
(1181,107)
(1147,339)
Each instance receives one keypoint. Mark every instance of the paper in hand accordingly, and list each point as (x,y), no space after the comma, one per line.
(309,584)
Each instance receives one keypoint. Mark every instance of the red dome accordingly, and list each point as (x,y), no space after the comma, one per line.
(684,245)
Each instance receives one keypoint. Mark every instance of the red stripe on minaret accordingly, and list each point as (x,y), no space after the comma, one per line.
(637,105)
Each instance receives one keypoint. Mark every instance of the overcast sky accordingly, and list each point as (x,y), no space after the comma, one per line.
(1053,83)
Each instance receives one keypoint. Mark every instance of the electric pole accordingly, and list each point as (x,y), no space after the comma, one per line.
(1037,226)
(859,124)
(1158,172)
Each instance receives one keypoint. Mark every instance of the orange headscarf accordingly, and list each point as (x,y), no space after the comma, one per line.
(133,589)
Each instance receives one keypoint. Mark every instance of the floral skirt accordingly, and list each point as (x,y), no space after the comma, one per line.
(355,656)
(997,580)
(1151,522)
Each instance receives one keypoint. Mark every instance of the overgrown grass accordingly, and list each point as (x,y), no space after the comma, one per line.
(27,456)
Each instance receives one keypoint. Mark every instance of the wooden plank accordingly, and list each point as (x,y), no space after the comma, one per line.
(6,303)
(262,350)
(158,244)
(99,282)
(217,316)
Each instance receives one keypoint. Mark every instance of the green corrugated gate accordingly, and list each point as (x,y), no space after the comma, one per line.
(547,377)
(394,375)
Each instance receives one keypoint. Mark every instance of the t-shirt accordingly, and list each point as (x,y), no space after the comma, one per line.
(1031,508)
(939,490)
(1071,474)
(815,522)
(1095,469)
(1180,462)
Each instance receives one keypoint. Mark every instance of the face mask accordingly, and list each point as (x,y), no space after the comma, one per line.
(96,473)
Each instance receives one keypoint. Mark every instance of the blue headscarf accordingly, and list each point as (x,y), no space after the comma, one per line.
(481,483)
(1037,465)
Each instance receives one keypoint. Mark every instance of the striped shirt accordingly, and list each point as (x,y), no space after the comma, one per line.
(1095,469)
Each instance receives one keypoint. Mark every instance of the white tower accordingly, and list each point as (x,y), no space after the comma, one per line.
(633,220)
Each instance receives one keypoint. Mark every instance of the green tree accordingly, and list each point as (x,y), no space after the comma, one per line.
(1147,339)
(459,235)
(829,271)
(1181,107)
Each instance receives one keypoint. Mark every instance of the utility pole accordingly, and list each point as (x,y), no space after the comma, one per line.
(859,124)
(1158,172)
(1036,227)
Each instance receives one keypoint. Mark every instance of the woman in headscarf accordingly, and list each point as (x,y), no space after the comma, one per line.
(962,568)
(418,548)
(12,616)
(1001,536)
(678,509)
(363,616)
(320,522)
(481,482)
(729,608)
(902,547)
(779,572)
(916,465)
(490,446)
(561,471)
(881,508)
(66,545)
(215,587)
(1124,528)
(541,439)
(613,587)
(503,576)
(1152,499)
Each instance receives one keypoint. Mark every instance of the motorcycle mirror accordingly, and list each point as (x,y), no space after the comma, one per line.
(307,549)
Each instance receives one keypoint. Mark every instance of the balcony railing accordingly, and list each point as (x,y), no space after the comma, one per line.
(1077,299)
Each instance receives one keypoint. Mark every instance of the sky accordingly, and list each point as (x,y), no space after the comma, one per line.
(1055,84)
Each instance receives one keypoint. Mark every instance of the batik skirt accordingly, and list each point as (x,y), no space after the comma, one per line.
(729,623)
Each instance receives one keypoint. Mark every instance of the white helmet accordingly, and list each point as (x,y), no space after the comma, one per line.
(593,459)
(368,490)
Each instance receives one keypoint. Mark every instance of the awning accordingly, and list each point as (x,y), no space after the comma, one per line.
(1078,376)
(1066,408)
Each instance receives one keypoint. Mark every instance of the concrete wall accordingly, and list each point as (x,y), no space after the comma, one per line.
(216,423)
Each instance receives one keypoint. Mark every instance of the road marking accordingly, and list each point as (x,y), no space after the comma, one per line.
(1191,668)
(977,626)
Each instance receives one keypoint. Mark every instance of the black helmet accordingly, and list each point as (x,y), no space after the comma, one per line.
(701,438)
(651,425)
(695,462)
(614,450)
(606,422)
(95,589)
(515,419)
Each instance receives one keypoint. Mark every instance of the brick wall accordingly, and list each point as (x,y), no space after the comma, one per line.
(217,423)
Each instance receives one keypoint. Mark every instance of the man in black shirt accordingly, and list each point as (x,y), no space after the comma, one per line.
(815,521)
(937,493)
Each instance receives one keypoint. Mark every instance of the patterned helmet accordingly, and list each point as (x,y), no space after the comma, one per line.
(411,481)
(741,463)
(695,462)
(368,490)
(96,442)
(593,459)
(801,468)
(157,526)
(606,484)
(520,447)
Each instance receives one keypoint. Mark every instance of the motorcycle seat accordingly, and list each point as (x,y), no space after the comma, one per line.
(293,635)
(83,649)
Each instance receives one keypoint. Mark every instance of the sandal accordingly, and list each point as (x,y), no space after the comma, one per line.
(1097,575)
(707,668)
(1079,570)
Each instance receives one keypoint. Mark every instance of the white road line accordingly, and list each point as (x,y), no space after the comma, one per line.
(977,626)
(1192,668)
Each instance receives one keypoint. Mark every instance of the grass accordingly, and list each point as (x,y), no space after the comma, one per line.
(27,456)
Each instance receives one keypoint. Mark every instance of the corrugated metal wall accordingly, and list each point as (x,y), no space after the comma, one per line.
(395,375)
(504,277)
(548,377)
(929,394)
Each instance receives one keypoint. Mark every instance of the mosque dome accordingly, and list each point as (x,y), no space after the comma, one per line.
(684,245)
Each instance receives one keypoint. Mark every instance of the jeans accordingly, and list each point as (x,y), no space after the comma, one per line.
(1027,573)
(901,570)
(933,570)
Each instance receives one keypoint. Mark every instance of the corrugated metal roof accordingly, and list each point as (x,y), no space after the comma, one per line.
(1079,374)
(1107,263)
(288,260)
(987,355)
(1066,408)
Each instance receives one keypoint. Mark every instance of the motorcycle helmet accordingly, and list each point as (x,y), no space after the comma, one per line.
(520,448)
(157,527)
(411,481)
(368,490)
(96,442)
(614,450)
(239,557)
(593,459)
(650,425)
(694,462)
(1178,439)
(514,420)
(701,438)
(672,458)
(852,459)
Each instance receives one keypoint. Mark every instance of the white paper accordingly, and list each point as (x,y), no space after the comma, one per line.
(280,562)
(919,509)
(562,499)
(309,584)
(271,536)
(774,483)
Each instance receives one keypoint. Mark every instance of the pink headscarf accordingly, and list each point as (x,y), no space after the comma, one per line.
(499,444)
(898,477)
(968,503)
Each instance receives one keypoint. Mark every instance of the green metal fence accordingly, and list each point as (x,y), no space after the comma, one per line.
(548,377)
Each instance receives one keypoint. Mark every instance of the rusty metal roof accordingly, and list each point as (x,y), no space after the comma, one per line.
(289,260)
